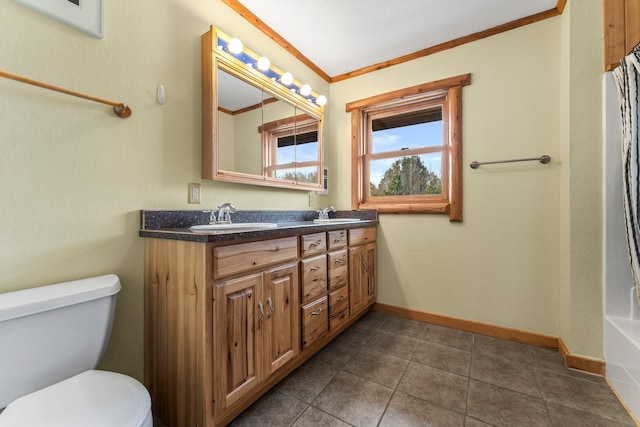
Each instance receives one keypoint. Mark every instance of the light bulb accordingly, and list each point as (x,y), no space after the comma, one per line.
(286,79)
(305,90)
(235,46)
(264,63)
(321,100)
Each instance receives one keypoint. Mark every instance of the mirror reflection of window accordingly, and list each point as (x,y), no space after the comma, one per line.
(292,148)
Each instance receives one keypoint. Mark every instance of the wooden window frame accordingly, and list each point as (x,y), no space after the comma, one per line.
(272,131)
(448,94)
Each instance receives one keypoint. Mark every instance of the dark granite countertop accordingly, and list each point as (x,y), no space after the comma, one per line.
(174,225)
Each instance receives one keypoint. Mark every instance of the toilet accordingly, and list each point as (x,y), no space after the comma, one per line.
(51,340)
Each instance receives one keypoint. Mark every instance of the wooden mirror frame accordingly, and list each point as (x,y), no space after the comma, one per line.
(214,59)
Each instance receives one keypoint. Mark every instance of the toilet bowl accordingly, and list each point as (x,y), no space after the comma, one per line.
(52,339)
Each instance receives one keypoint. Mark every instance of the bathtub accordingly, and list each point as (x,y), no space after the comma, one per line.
(620,306)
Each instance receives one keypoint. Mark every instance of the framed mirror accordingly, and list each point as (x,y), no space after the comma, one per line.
(256,130)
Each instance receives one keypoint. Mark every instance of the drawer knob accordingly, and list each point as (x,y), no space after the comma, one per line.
(314,268)
(315,313)
(340,298)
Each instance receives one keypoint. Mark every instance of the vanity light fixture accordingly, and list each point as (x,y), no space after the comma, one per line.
(235,48)
(305,90)
(263,63)
(286,79)
(321,100)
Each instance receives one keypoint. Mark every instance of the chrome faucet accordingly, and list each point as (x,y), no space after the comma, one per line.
(224,212)
(324,212)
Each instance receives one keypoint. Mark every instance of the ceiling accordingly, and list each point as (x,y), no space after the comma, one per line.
(339,39)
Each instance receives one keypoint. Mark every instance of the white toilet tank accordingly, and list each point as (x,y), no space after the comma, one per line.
(51,333)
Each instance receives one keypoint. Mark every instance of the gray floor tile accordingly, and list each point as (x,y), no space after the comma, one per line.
(272,410)
(407,411)
(503,349)
(443,357)
(336,353)
(391,343)
(411,328)
(450,337)
(354,400)
(306,382)
(375,320)
(356,335)
(505,408)
(313,417)
(435,386)
(512,375)
(582,395)
(562,416)
(377,371)
(472,422)
(545,358)
(381,368)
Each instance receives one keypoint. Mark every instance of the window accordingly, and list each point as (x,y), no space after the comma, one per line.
(291,150)
(407,149)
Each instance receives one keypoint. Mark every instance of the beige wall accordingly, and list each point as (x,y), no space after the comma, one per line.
(74,175)
(500,265)
(527,255)
(581,178)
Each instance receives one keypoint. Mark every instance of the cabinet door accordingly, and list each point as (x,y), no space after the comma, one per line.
(237,342)
(281,332)
(370,268)
(357,279)
(362,277)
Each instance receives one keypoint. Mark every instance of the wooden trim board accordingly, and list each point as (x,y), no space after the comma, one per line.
(594,366)
(241,10)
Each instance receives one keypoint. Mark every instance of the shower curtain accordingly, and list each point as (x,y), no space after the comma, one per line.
(627,76)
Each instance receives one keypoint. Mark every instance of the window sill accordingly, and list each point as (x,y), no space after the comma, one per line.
(441,208)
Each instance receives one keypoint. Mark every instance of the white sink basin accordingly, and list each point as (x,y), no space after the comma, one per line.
(335,220)
(234,226)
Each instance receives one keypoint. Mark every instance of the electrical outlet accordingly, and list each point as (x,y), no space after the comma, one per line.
(194,193)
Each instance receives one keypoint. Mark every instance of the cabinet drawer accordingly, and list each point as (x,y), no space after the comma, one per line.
(337,239)
(338,301)
(360,236)
(313,244)
(338,267)
(315,321)
(338,319)
(234,259)
(314,278)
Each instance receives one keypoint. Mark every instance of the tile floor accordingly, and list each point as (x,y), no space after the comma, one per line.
(389,371)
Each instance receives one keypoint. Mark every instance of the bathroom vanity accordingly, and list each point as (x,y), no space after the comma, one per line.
(228,314)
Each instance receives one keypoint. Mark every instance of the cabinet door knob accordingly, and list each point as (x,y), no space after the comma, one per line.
(261,313)
(270,307)
(316,243)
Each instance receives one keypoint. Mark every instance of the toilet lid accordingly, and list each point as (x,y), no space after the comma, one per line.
(92,398)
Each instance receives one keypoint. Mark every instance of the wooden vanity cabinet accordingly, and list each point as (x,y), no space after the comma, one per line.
(224,322)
